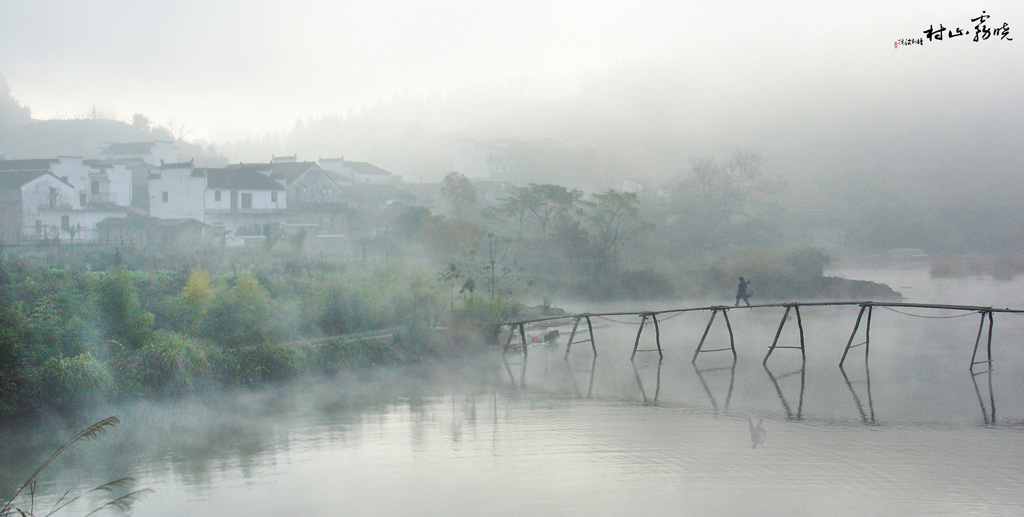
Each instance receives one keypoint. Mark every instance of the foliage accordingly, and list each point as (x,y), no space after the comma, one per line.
(721,205)
(195,299)
(172,363)
(458,191)
(124,318)
(412,220)
(613,219)
(71,381)
(457,238)
(334,354)
(252,364)
(241,315)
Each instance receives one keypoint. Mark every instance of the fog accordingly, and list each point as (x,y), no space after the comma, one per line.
(280,336)
(819,90)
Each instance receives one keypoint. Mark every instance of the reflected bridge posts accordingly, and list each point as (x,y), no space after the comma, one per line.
(657,382)
(707,388)
(572,377)
(988,411)
(782,398)
(869,416)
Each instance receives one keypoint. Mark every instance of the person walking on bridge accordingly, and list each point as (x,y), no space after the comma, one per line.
(741,292)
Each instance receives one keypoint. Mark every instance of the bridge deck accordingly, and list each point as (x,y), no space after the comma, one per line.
(986,312)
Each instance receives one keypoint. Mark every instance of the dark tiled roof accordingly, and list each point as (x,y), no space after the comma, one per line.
(367,169)
(182,165)
(15,179)
(288,171)
(238,179)
(39,164)
(129,148)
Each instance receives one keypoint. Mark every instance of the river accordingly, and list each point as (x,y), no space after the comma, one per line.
(909,432)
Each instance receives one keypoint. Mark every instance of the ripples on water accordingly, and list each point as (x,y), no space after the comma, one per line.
(912,432)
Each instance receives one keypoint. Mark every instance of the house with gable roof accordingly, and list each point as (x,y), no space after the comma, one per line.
(228,197)
(50,198)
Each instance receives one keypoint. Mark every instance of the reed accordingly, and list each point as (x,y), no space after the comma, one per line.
(122,502)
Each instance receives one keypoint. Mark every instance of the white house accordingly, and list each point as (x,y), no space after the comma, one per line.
(35,204)
(238,198)
(177,191)
(94,181)
(110,183)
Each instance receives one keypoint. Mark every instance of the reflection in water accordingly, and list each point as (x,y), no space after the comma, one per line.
(869,417)
(590,383)
(785,404)
(657,382)
(757,433)
(990,417)
(522,371)
(707,389)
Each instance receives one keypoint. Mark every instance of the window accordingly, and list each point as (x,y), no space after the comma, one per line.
(216,195)
(163,197)
(273,197)
(246,200)
(65,222)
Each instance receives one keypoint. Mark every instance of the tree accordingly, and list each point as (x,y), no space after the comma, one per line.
(449,276)
(459,192)
(544,203)
(411,221)
(451,239)
(141,123)
(498,269)
(613,218)
(728,203)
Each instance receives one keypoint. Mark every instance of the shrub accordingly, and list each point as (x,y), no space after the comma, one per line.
(69,381)
(240,316)
(172,363)
(252,364)
(335,354)
(126,321)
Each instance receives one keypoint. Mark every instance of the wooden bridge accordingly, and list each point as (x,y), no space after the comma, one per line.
(579,335)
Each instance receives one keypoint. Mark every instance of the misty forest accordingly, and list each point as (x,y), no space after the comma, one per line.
(350,280)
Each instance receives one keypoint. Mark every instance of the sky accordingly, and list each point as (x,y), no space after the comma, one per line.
(232,68)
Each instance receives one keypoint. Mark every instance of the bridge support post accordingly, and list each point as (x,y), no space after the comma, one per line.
(732,339)
(977,342)
(657,335)
(572,335)
(775,342)
(856,325)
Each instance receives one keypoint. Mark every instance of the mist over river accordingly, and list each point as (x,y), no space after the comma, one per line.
(909,432)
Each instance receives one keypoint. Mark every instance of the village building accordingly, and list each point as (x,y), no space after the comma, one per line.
(358,173)
(62,198)
(152,153)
